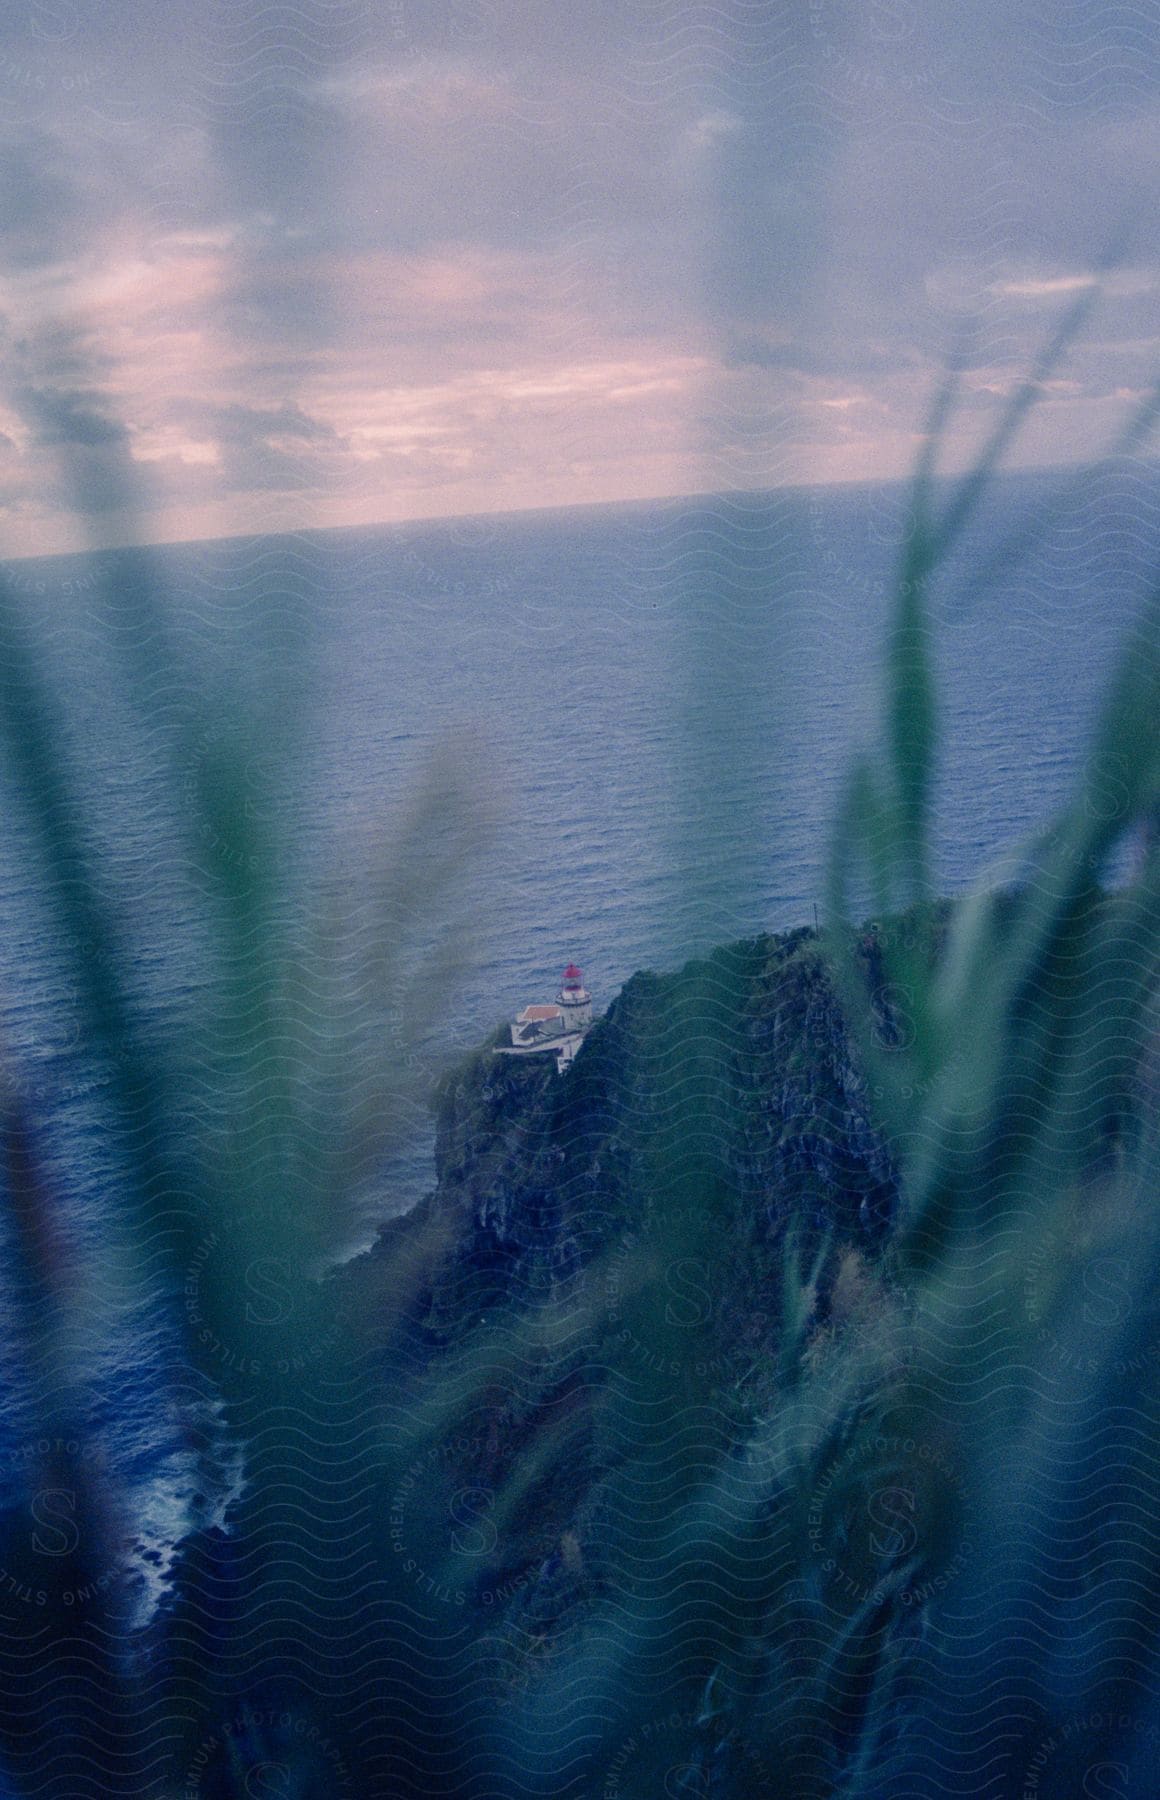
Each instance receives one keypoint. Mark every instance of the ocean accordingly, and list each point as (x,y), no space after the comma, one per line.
(612,735)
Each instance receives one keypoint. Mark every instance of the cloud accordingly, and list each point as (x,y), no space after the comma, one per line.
(706,132)
(1049,288)
(61,418)
(467,256)
(243,449)
(819,356)
(237,424)
(1116,284)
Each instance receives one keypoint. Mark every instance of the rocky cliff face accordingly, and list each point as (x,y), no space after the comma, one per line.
(734,1078)
(648,1194)
(603,1261)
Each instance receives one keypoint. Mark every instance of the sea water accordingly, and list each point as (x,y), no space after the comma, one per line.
(614,735)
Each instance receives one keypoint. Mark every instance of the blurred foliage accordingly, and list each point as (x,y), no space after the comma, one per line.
(926,1562)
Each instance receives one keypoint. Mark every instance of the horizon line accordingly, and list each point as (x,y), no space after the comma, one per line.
(556,507)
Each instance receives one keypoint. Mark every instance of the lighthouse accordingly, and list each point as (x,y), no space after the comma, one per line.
(574,1000)
(557,1028)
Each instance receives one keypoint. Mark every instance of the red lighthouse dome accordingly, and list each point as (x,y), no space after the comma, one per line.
(573,977)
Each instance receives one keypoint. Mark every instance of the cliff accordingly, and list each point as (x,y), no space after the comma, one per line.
(733,1080)
(609,1245)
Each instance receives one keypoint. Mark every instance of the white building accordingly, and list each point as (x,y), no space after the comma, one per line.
(536,1023)
(556,1028)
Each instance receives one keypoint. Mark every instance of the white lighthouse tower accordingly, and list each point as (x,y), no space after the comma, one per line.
(557,1028)
(574,1000)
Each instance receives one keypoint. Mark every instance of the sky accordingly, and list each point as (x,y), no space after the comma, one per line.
(271,266)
